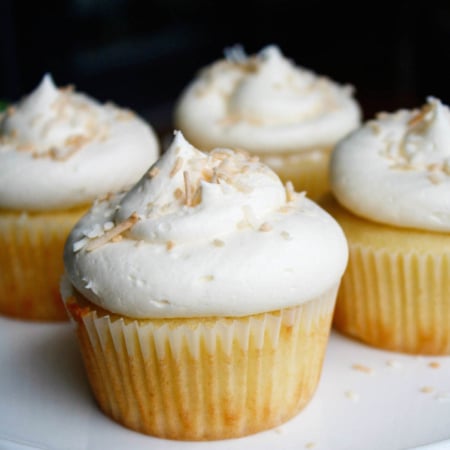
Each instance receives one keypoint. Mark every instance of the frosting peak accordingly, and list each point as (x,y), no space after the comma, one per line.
(406,155)
(289,94)
(204,235)
(428,134)
(59,148)
(54,122)
(189,195)
(265,103)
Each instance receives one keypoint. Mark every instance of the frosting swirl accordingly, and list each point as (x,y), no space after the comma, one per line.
(204,235)
(264,103)
(60,149)
(396,168)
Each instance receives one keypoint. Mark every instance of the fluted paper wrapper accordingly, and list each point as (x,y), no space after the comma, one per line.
(397,302)
(31,263)
(204,379)
(395,293)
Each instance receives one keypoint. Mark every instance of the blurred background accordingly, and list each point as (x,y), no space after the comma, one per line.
(141,54)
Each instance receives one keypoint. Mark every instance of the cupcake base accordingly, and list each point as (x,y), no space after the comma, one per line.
(203,378)
(395,293)
(306,169)
(31,249)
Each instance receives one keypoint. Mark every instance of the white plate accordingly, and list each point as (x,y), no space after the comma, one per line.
(45,401)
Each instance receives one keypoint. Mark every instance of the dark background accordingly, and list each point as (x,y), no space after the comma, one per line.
(140,54)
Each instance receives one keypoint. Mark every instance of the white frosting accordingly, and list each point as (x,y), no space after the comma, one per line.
(240,246)
(396,169)
(60,149)
(264,103)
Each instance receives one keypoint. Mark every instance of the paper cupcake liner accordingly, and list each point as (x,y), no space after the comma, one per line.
(307,170)
(31,261)
(395,293)
(204,379)
(397,301)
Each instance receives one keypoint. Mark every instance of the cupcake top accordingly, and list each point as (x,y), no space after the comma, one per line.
(396,169)
(60,149)
(200,234)
(264,103)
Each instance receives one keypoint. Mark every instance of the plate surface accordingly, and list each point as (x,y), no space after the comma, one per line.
(367,399)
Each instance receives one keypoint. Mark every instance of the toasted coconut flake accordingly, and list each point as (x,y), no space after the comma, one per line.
(265,227)
(417,118)
(178,193)
(242,224)
(67,89)
(26,148)
(111,234)
(108,196)
(435,178)
(286,235)
(228,121)
(353,396)
(285,209)
(374,126)
(362,368)
(153,172)
(117,238)
(207,278)
(207,174)
(197,197)
(243,152)
(76,141)
(176,167)
(124,114)
(435,167)
(187,188)
(427,389)
(290,192)
(170,245)
(218,243)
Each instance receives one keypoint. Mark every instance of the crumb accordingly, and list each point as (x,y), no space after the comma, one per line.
(310,445)
(170,245)
(394,363)
(207,278)
(434,365)
(265,227)
(353,396)
(286,235)
(218,243)
(362,368)
(426,389)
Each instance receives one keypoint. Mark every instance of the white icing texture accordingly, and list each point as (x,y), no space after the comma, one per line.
(205,234)
(265,103)
(396,169)
(60,149)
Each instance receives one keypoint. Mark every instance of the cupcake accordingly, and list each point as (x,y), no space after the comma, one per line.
(59,150)
(391,182)
(204,311)
(287,115)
